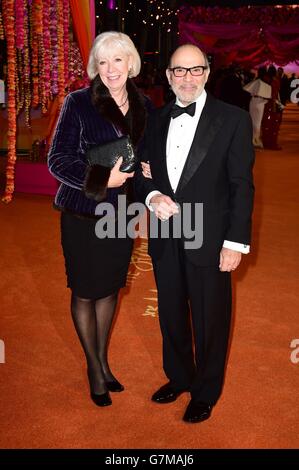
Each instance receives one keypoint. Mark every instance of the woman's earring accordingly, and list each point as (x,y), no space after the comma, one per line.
(130,71)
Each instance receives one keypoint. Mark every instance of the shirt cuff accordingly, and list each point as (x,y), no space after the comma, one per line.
(236,246)
(148,198)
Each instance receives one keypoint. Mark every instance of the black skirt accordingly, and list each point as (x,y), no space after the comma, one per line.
(95,267)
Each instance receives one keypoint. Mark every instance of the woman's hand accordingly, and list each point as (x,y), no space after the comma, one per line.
(146,170)
(117,177)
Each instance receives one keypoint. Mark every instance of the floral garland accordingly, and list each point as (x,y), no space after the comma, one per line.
(54,48)
(20,97)
(20,42)
(9,25)
(39,59)
(77,74)
(26,65)
(1,27)
(20,17)
(66,40)
(46,90)
(35,43)
(60,42)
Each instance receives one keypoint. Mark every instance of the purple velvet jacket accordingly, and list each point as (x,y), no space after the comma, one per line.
(90,117)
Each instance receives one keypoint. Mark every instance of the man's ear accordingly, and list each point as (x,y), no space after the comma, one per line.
(207,75)
(168,75)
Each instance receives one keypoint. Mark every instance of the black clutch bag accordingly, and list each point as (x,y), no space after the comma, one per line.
(107,154)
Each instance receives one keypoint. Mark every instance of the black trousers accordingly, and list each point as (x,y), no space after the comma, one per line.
(194,308)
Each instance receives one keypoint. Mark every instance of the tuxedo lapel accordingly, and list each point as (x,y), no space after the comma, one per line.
(209,123)
(163,124)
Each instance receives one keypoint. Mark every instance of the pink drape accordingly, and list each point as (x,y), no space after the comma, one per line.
(92,15)
(243,40)
(83,15)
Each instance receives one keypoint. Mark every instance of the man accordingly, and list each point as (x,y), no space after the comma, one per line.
(205,157)
(284,91)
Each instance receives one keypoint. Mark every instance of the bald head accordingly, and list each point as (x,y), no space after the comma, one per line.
(188,87)
(189,49)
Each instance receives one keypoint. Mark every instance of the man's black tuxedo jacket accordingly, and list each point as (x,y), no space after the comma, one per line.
(217,173)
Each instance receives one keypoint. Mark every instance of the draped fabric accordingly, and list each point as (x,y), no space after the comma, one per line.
(92,15)
(83,15)
(249,36)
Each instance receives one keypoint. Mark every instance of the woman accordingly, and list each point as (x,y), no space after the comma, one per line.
(96,268)
(273,112)
(260,92)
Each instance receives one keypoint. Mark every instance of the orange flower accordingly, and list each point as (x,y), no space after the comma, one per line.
(32,23)
(9,20)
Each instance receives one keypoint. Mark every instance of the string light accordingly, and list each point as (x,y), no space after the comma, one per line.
(160,14)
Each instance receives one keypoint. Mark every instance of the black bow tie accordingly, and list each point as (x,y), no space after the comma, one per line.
(178,110)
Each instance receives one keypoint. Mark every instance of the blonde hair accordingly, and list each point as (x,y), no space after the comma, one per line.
(106,42)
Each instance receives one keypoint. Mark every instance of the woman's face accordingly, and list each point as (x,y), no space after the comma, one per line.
(114,68)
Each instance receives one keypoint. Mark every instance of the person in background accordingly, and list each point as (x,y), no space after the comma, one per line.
(232,90)
(284,91)
(260,92)
(272,113)
(96,268)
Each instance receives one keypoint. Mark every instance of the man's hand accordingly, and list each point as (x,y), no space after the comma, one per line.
(163,206)
(229,259)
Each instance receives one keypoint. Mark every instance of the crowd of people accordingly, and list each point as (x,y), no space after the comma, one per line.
(263,92)
(270,91)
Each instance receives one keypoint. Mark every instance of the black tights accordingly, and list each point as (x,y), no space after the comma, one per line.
(93,320)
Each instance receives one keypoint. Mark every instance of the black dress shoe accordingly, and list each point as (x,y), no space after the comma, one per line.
(114,386)
(166,394)
(101,400)
(197,411)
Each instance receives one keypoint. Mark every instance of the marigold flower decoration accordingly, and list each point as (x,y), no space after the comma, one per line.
(9,25)
(38,50)
(1,28)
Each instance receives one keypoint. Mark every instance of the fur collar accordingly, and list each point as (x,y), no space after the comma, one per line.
(107,107)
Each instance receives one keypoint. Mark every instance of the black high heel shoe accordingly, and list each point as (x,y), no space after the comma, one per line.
(101,400)
(114,386)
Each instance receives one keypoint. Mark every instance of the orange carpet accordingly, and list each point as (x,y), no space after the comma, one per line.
(44,389)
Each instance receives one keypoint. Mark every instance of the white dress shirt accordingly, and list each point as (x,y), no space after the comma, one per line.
(179,140)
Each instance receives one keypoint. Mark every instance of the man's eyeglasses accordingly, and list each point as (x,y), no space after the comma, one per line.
(196,71)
